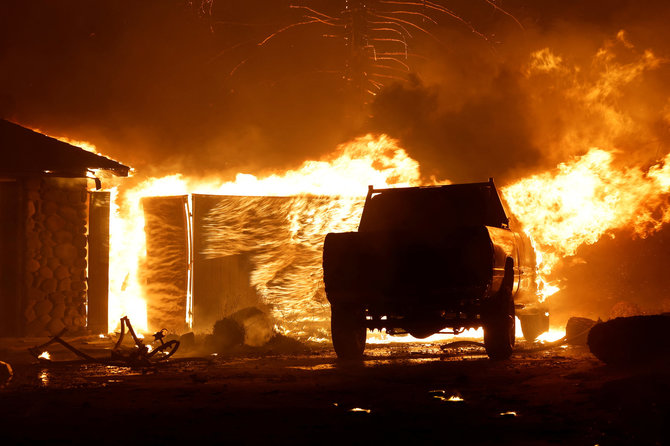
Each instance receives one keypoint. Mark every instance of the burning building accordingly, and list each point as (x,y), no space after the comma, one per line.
(203,250)
(209,256)
(54,235)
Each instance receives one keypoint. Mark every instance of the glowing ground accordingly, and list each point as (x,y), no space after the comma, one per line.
(413,393)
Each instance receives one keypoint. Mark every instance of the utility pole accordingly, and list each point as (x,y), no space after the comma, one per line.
(357,29)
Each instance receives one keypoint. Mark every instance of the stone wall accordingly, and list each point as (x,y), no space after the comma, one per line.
(56,212)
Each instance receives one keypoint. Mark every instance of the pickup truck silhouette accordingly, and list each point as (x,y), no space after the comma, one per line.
(425,260)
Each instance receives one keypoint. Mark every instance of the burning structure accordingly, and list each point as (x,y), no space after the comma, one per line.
(464,114)
(53,235)
(213,248)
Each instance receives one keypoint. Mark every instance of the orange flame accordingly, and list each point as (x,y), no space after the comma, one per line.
(77,143)
(585,199)
(344,177)
(590,195)
(579,202)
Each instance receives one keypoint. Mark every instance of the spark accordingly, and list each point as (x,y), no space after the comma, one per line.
(313,11)
(238,66)
(325,22)
(407,22)
(388,67)
(395,60)
(442,9)
(387,76)
(390,30)
(404,30)
(387,39)
(498,8)
(374,31)
(284,29)
(378,85)
(420,14)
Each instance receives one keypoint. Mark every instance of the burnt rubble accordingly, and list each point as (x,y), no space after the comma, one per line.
(249,330)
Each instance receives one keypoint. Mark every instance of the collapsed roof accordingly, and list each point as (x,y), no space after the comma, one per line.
(24,151)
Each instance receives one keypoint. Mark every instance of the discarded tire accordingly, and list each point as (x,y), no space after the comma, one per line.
(631,340)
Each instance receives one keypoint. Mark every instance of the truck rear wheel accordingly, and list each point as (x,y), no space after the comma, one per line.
(347,324)
(499,320)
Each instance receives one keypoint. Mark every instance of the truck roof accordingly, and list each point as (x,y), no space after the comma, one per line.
(416,208)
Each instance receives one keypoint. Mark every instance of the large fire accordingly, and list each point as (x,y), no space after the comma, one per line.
(575,204)
(339,181)
(589,196)
(593,193)
(586,198)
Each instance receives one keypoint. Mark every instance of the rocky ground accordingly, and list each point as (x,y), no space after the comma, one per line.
(412,393)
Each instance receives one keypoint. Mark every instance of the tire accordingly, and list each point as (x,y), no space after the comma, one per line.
(348,331)
(499,320)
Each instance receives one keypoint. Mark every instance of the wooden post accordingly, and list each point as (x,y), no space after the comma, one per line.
(98,262)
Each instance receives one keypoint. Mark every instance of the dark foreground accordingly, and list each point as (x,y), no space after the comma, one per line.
(399,395)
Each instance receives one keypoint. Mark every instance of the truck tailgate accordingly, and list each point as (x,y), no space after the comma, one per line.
(401,265)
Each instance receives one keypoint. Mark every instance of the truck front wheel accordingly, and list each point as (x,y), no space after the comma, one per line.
(499,321)
(347,324)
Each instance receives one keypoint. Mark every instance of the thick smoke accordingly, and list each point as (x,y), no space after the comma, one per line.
(576,77)
(150,83)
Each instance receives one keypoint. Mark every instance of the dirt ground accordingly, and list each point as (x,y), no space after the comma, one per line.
(411,393)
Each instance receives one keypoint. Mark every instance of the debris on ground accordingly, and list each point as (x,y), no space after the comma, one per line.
(249,328)
(187,341)
(226,335)
(285,345)
(139,355)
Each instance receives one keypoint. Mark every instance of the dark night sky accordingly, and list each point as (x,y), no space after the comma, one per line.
(148,82)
